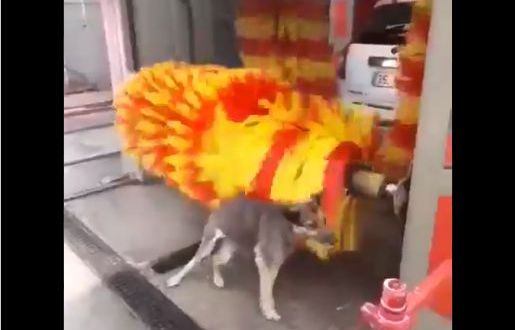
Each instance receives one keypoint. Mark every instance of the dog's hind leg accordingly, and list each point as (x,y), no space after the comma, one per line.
(267,275)
(205,249)
(220,258)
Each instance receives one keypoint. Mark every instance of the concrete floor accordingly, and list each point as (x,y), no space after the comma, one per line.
(87,175)
(88,303)
(90,143)
(310,295)
(81,122)
(143,223)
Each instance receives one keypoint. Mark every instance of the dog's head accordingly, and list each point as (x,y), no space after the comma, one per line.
(308,219)
(308,214)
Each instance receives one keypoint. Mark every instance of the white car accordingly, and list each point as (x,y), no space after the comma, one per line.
(370,62)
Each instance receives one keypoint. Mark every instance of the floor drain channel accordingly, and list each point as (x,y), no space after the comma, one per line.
(149,304)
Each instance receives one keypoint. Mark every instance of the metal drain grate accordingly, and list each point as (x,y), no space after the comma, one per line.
(149,304)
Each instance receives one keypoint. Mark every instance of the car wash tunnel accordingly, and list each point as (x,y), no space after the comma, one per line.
(184,105)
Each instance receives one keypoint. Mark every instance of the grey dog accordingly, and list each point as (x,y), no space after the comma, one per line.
(265,229)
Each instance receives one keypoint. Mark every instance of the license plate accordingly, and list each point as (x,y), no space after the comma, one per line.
(384,79)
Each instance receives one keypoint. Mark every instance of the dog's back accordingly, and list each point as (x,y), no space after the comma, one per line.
(246,222)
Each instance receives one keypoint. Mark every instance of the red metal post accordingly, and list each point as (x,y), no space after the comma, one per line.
(397,308)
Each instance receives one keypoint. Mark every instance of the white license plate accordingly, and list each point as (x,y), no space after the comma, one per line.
(384,79)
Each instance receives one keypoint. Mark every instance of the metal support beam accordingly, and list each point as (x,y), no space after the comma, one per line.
(429,178)
(119,45)
(120,54)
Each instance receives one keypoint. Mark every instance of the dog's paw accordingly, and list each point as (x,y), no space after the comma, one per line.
(218,281)
(173,281)
(271,314)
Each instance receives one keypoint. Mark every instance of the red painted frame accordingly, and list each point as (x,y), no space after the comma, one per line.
(441,250)
(448,153)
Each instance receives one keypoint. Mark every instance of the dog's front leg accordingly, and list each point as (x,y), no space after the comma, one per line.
(267,276)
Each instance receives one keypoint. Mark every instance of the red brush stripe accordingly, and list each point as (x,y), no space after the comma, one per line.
(339,19)
(412,87)
(419,28)
(240,98)
(170,182)
(283,140)
(324,87)
(257,7)
(314,50)
(203,191)
(205,121)
(412,68)
(308,10)
(369,152)
(403,135)
(334,188)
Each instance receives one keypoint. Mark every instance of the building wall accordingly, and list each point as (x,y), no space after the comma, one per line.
(161,32)
(84,42)
(225,44)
